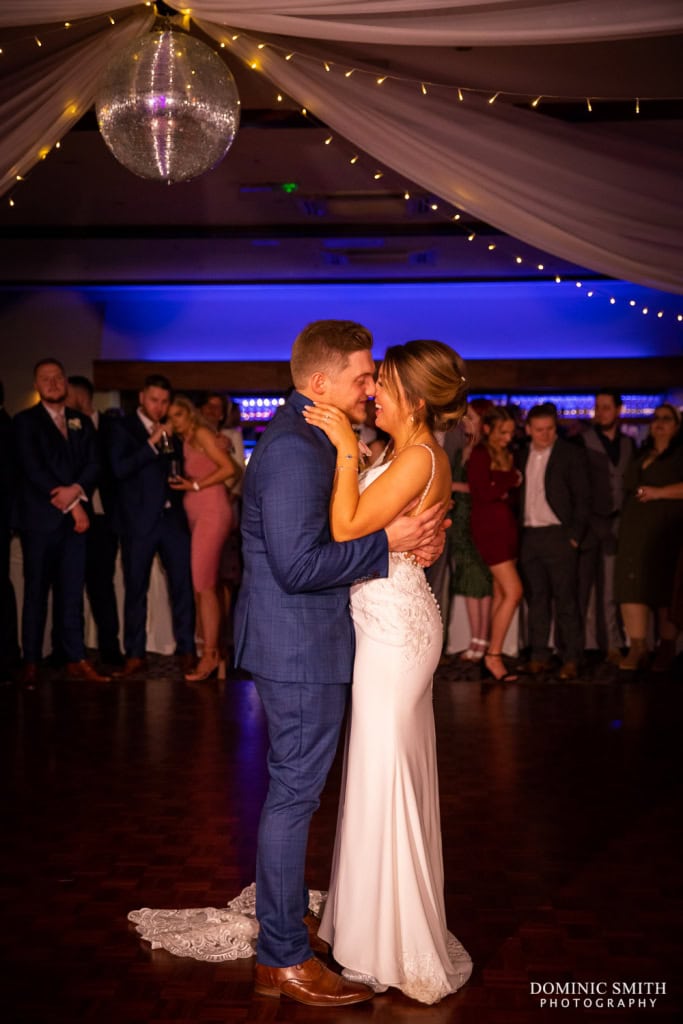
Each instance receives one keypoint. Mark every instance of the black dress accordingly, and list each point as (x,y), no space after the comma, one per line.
(650,533)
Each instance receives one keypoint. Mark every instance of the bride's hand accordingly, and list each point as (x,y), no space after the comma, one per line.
(333,422)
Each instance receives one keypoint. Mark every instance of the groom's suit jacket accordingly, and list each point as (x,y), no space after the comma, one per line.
(292,619)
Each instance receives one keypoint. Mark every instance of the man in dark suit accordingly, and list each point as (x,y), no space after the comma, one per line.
(9,645)
(294,634)
(149,518)
(101,540)
(608,451)
(554,503)
(57,457)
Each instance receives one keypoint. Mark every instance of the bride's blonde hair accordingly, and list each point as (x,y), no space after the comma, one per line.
(431,372)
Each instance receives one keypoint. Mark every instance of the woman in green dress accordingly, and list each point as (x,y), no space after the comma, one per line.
(470,575)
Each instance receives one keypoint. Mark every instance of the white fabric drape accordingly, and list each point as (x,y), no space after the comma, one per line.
(454,23)
(406,22)
(39,103)
(603,198)
(614,207)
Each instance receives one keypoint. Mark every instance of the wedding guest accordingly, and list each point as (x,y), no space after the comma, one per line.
(57,456)
(101,540)
(9,643)
(470,575)
(494,482)
(150,519)
(650,539)
(207,468)
(555,499)
(609,452)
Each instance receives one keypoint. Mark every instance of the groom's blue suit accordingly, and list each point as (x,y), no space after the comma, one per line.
(294,634)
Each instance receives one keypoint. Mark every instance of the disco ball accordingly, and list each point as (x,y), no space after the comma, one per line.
(168,107)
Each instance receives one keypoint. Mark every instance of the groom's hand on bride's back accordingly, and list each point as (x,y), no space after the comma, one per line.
(423,535)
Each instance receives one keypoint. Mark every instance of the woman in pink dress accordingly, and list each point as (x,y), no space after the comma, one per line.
(207,469)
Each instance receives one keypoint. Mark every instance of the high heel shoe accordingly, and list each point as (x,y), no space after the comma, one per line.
(210,664)
(488,673)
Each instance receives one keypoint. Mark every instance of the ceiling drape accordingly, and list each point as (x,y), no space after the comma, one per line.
(605,198)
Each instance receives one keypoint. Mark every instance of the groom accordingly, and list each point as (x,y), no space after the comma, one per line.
(294,634)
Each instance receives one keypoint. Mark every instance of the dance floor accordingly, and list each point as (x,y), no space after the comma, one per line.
(561,808)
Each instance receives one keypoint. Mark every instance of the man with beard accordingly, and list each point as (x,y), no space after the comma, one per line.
(609,452)
(149,518)
(57,457)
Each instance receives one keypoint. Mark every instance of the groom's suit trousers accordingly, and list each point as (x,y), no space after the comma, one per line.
(304,721)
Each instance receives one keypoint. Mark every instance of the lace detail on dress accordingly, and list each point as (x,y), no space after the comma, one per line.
(424,977)
(208,933)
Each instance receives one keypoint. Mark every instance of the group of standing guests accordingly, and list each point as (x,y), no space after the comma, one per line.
(571,526)
(84,485)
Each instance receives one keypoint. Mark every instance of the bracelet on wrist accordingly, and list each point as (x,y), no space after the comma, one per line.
(195,485)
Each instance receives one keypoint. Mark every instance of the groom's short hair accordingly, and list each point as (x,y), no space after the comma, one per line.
(325,345)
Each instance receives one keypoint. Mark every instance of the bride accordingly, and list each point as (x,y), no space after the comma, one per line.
(384,916)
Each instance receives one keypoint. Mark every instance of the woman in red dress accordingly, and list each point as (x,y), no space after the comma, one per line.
(207,467)
(494,482)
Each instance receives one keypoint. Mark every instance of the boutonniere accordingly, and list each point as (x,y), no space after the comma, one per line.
(74,424)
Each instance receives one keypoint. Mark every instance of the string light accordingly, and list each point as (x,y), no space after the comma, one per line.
(491,247)
(494,97)
(326,66)
(645,310)
(612,301)
(112,21)
(353,160)
(328,140)
(377,175)
(589,105)
(289,56)
(348,74)
(534,103)
(637,105)
(38,42)
(424,88)
(541,266)
(406,195)
(558,279)
(433,206)
(279,97)
(382,80)
(471,237)
(518,259)
(460,95)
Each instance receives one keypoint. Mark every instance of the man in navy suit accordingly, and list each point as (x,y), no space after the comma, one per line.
(101,541)
(149,518)
(57,457)
(294,634)
(554,503)
(9,645)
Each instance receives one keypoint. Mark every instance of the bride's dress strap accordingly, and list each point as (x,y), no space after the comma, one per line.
(431,477)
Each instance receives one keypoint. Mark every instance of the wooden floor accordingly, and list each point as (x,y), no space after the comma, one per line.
(561,808)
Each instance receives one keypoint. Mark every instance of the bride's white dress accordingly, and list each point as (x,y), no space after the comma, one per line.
(384,916)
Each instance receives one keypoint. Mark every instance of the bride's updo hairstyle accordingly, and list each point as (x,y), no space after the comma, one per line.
(430,371)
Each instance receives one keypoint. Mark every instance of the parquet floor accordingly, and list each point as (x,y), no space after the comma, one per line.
(561,808)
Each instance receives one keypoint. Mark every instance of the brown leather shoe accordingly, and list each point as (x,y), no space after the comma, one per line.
(568,671)
(28,675)
(84,670)
(535,667)
(317,944)
(131,667)
(310,983)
